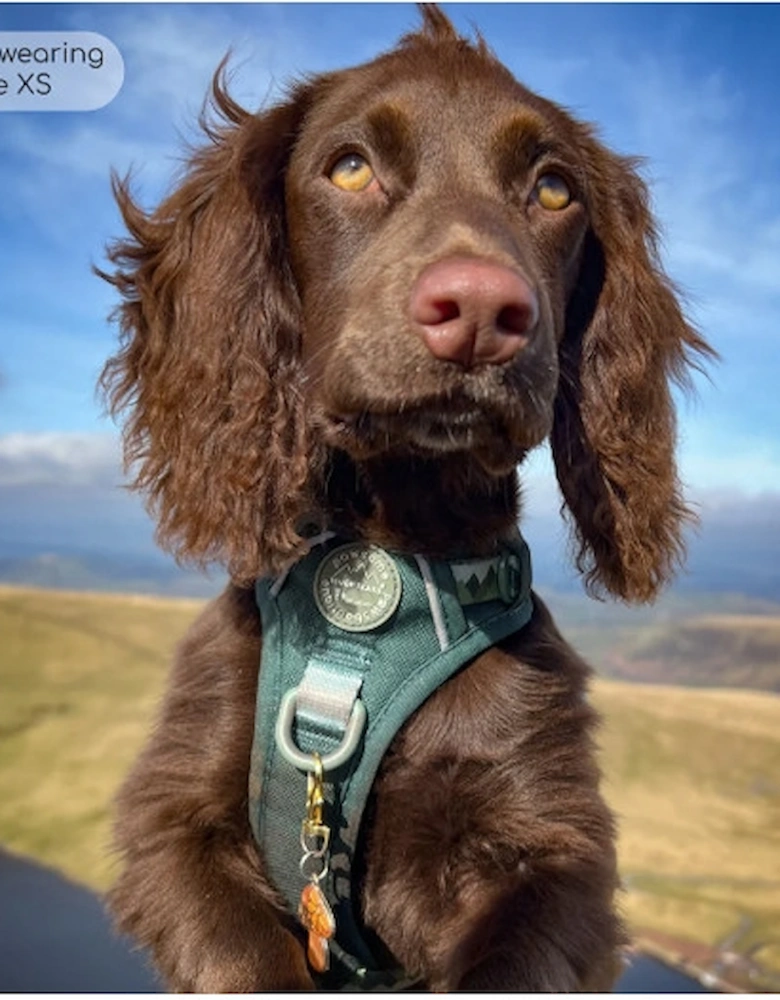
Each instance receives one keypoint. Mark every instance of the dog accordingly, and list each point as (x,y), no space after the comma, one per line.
(341,334)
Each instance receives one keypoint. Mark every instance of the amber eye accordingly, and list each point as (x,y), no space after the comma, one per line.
(553,192)
(352,173)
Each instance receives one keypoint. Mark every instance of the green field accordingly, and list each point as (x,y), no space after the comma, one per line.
(693,774)
(689,640)
(79,676)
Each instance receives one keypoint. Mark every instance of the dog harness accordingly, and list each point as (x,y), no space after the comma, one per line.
(355,639)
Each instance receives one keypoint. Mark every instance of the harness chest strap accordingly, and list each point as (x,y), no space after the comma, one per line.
(354,641)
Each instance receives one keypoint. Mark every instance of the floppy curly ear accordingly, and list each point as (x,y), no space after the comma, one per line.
(207,367)
(614,430)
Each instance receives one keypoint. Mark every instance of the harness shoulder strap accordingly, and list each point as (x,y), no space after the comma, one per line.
(355,639)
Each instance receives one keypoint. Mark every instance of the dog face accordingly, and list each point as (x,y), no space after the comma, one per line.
(437,212)
(414,259)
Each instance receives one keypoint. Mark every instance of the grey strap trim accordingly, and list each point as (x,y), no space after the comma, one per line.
(312,543)
(326,696)
(323,713)
(437,612)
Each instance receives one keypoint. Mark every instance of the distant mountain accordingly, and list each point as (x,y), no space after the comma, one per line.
(714,627)
(726,651)
(687,639)
(117,572)
(96,536)
(734,549)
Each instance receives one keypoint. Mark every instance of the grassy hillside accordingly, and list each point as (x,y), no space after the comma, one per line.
(697,641)
(694,775)
(80,675)
(726,650)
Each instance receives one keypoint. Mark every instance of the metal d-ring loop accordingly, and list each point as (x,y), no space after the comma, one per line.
(307,761)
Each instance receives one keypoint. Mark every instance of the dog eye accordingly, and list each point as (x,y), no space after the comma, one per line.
(552,192)
(352,173)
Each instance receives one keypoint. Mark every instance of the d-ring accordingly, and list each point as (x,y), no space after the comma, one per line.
(307,761)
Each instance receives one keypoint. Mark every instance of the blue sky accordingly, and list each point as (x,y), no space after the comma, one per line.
(692,88)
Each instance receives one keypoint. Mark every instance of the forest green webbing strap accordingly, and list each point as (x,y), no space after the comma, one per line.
(354,640)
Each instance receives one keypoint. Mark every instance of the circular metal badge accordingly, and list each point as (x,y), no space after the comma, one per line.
(357,587)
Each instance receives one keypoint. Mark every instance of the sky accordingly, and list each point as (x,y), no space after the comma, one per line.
(692,88)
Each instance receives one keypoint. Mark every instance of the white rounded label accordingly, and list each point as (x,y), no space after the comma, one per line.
(58,71)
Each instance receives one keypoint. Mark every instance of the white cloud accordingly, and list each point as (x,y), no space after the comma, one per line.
(751,472)
(59,169)
(717,466)
(169,51)
(713,190)
(59,458)
(172,53)
(733,505)
(717,199)
(715,196)
(85,151)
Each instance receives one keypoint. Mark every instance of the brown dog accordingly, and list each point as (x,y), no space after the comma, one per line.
(360,310)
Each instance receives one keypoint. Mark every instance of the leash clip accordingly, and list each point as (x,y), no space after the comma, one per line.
(314,910)
(315,833)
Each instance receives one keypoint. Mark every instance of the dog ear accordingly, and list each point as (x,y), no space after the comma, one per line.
(614,432)
(208,368)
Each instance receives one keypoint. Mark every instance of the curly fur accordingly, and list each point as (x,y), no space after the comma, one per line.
(232,481)
(212,381)
(274,377)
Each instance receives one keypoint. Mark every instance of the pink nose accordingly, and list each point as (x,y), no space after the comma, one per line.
(473,311)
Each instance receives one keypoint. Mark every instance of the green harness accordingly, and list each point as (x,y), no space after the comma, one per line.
(354,641)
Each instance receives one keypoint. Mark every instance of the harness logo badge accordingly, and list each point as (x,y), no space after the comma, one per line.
(357,587)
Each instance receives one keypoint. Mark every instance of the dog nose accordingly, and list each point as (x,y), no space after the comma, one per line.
(473,311)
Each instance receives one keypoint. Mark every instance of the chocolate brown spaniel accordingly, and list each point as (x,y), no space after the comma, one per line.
(348,325)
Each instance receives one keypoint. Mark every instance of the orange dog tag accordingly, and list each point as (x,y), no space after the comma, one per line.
(317,917)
